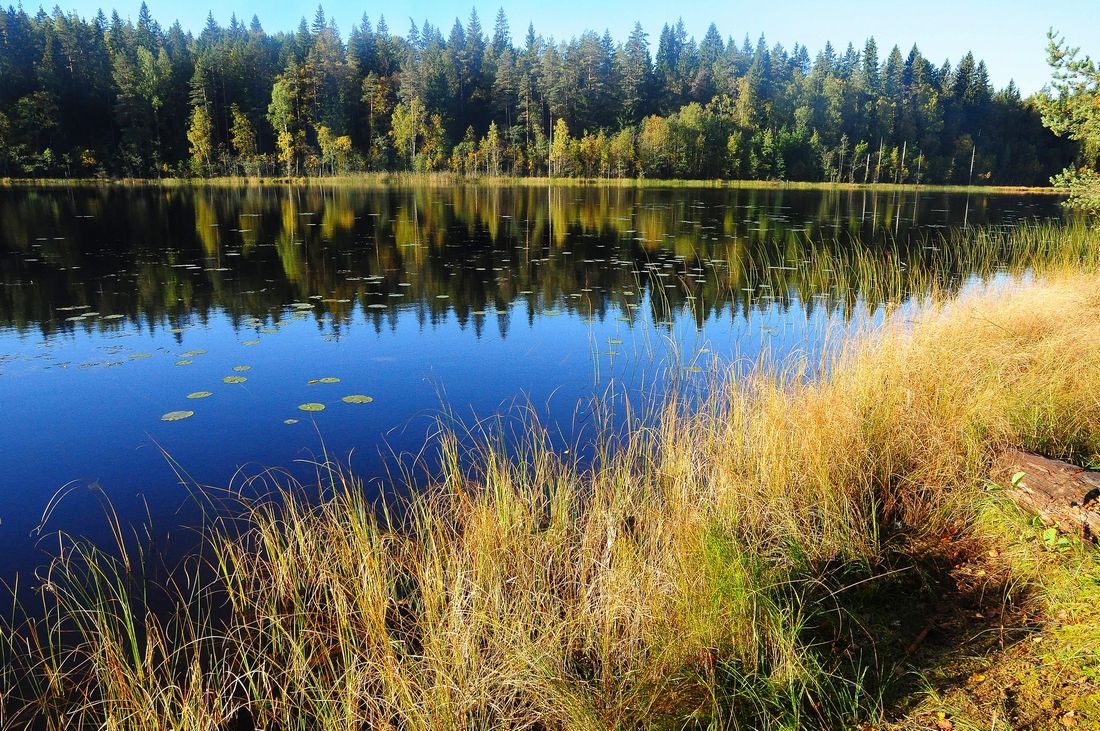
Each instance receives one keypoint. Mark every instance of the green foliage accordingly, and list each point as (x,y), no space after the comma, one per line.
(561,152)
(200,134)
(242,135)
(406,127)
(5,140)
(113,97)
(1083,188)
(335,151)
(1071,108)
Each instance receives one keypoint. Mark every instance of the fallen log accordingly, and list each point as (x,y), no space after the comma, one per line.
(1063,495)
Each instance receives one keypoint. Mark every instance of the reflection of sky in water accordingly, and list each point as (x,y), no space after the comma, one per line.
(78,406)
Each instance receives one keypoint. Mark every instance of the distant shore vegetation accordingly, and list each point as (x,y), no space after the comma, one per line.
(428,180)
(105,97)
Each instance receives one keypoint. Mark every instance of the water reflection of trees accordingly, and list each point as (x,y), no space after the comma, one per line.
(166,257)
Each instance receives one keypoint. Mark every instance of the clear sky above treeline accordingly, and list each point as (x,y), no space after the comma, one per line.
(1010,34)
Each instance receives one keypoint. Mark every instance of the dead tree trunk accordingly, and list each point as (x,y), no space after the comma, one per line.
(1062,495)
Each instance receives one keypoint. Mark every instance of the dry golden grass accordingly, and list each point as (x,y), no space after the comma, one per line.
(674,584)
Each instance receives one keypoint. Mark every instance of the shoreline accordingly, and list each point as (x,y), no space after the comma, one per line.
(398,179)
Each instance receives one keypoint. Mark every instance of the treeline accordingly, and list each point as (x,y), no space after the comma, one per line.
(109,97)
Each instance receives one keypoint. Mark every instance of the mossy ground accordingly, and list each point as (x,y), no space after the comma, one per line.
(1026,655)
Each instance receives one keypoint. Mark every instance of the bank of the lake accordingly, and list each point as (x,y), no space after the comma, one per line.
(390,179)
(785,551)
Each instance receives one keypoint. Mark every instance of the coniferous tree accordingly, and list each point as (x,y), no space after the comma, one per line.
(1071,108)
(635,73)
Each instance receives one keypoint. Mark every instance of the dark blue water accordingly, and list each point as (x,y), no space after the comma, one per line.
(116,303)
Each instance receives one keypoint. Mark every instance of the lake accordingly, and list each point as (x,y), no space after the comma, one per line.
(124,308)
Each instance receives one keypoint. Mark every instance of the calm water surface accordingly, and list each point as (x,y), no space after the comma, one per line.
(117,303)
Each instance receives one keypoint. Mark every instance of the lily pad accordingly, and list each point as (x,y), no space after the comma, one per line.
(326,379)
(357,398)
(242,368)
(251,342)
(185,361)
(200,394)
(139,356)
(192,353)
(234,379)
(177,415)
(312,407)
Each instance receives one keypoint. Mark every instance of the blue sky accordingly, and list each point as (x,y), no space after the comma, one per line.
(1009,35)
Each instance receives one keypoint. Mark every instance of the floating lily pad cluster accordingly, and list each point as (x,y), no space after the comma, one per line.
(237,377)
(314,406)
(309,407)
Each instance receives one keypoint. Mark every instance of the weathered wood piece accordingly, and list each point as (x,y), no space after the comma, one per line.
(1061,494)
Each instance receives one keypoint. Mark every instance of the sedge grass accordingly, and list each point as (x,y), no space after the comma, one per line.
(686,578)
